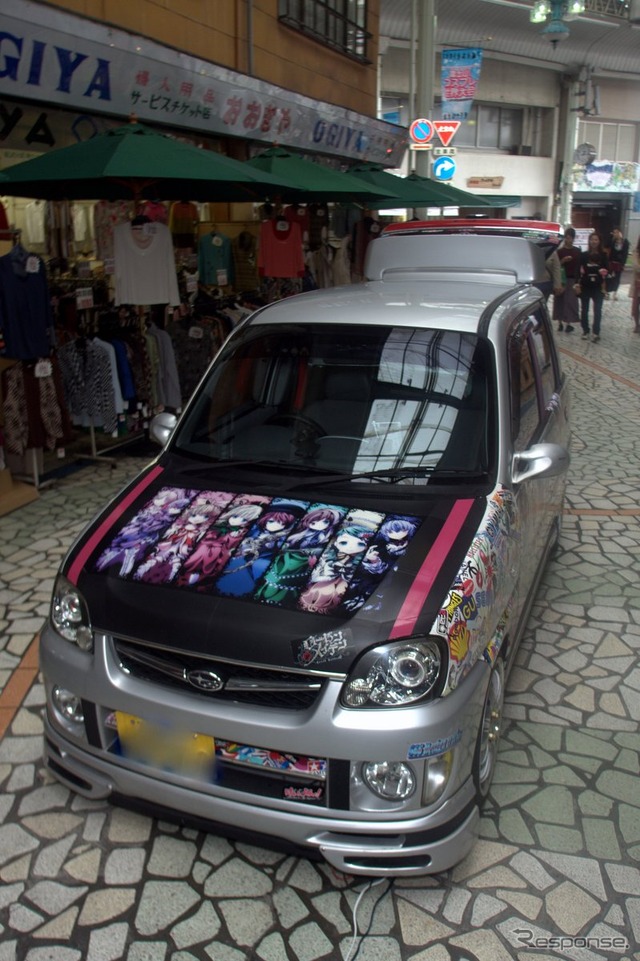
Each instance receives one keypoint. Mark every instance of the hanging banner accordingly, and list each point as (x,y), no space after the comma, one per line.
(460,76)
(607,175)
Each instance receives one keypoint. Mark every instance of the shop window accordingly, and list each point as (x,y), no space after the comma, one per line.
(613,141)
(490,127)
(339,24)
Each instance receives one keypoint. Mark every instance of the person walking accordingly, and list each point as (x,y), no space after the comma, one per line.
(618,253)
(594,267)
(634,290)
(566,308)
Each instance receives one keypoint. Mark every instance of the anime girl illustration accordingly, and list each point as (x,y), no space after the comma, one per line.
(292,566)
(133,540)
(335,568)
(386,548)
(220,543)
(179,540)
(257,550)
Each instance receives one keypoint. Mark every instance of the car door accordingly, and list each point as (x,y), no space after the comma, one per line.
(538,415)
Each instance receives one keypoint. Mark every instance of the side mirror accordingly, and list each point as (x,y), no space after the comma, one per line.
(161,427)
(541,460)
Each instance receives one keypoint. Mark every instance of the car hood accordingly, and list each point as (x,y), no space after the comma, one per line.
(220,572)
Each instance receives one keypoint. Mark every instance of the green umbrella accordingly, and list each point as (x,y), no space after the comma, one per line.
(131,162)
(414,191)
(308,181)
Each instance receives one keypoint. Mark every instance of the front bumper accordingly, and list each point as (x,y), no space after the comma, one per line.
(355,848)
(352,829)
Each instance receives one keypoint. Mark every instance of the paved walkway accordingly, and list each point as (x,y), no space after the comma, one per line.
(556,873)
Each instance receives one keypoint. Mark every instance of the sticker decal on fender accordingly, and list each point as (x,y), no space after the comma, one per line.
(433,748)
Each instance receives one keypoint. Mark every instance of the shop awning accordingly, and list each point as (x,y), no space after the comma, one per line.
(501,200)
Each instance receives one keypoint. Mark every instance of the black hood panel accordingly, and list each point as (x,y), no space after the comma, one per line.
(268,580)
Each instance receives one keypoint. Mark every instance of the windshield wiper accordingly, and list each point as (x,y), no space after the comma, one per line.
(239,462)
(390,475)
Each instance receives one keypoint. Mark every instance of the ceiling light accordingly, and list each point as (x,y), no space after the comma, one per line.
(554,14)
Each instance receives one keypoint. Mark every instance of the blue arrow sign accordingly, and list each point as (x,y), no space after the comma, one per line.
(444,168)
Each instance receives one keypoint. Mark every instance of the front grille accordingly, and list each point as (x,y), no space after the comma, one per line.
(219,680)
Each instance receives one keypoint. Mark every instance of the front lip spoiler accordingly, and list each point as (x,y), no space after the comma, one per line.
(376,849)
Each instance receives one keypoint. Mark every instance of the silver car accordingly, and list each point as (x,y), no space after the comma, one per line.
(297,623)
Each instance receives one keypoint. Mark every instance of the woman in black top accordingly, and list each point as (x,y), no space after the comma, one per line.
(594,267)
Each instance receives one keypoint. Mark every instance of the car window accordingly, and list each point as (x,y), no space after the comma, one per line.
(350,398)
(541,343)
(525,414)
(534,376)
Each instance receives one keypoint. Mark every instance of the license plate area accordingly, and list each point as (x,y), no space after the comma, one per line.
(169,749)
(240,767)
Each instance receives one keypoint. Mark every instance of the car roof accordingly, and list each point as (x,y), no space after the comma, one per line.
(446,302)
(536,230)
(424,280)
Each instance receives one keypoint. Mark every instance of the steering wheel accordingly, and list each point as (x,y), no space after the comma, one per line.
(316,429)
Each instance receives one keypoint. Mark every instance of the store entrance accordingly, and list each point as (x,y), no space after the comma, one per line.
(601,216)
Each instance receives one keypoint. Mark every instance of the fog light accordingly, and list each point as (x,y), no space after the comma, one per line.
(68,705)
(436,776)
(391,780)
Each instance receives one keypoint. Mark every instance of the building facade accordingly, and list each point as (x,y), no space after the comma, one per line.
(532,107)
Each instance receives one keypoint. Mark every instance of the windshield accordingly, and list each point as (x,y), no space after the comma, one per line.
(347,400)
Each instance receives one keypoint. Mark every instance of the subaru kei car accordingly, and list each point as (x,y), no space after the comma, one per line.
(296,624)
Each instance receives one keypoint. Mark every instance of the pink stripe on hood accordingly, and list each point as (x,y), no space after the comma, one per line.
(90,545)
(431,567)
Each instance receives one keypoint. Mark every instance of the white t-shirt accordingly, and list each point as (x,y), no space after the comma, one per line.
(144,265)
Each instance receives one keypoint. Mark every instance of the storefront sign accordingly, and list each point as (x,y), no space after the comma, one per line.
(485,183)
(607,175)
(50,56)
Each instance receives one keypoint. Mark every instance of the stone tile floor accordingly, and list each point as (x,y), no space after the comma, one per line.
(556,873)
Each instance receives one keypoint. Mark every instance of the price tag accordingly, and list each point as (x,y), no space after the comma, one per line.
(109,266)
(84,269)
(84,298)
(32,265)
(221,278)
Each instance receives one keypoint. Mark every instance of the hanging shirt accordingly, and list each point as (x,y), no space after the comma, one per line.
(168,381)
(26,320)
(280,253)
(145,267)
(88,388)
(115,380)
(34,217)
(215,260)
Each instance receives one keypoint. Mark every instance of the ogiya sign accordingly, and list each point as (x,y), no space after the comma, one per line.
(421,132)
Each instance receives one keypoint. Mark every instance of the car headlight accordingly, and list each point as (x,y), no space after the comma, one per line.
(70,614)
(395,674)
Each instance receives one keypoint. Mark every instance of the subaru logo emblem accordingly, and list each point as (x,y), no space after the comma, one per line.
(205,680)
